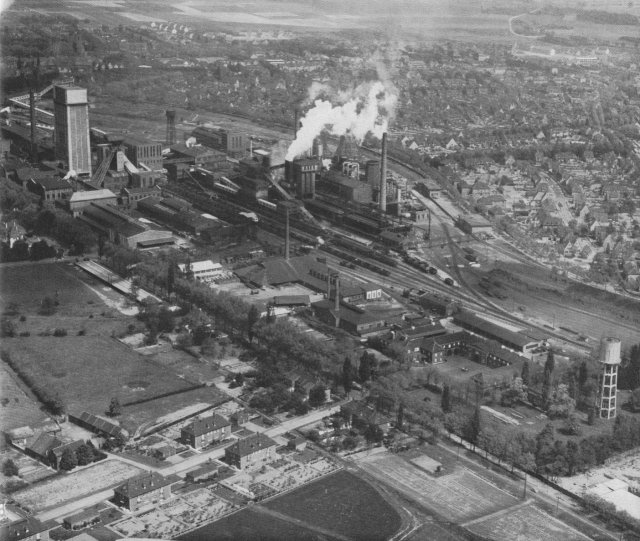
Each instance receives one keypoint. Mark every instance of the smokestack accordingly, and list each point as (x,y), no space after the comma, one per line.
(337,304)
(295,123)
(328,284)
(171,127)
(286,235)
(32,117)
(383,174)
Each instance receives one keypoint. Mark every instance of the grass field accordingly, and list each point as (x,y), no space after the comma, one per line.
(250,524)
(342,503)
(458,496)
(27,285)
(525,523)
(74,485)
(16,407)
(87,371)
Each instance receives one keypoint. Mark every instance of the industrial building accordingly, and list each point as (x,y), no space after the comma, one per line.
(232,143)
(474,224)
(71,118)
(120,228)
(174,212)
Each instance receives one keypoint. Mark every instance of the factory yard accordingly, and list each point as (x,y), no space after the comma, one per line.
(68,487)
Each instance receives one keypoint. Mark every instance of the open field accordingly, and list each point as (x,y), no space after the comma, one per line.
(143,416)
(16,407)
(525,523)
(28,284)
(87,371)
(254,525)
(74,485)
(341,503)
(459,496)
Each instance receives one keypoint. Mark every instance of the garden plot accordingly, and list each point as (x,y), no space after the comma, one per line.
(155,523)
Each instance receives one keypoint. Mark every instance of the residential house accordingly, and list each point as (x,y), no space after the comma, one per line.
(143,490)
(25,529)
(255,449)
(203,432)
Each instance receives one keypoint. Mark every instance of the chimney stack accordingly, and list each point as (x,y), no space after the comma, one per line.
(32,118)
(286,235)
(295,123)
(337,304)
(383,174)
(171,127)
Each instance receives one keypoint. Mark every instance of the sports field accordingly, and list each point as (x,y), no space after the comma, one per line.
(458,496)
(525,523)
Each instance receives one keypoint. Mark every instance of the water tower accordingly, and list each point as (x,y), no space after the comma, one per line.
(610,360)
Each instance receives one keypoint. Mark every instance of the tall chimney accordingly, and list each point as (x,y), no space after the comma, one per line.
(171,127)
(337,304)
(328,284)
(32,118)
(286,235)
(383,174)
(295,123)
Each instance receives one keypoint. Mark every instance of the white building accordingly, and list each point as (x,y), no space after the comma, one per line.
(204,271)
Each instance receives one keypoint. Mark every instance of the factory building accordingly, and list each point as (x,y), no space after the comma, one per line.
(473,224)
(345,187)
(143,153)
(71,120)
(232,143)
(300,176)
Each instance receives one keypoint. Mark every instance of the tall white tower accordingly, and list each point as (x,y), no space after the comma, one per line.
(610,360)
(71,118)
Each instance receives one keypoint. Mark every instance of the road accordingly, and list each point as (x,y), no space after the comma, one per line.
(191,462)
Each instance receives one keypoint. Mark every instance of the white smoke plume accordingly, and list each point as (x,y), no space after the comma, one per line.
(368,108)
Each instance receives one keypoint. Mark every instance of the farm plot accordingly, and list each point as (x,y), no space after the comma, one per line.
(340,503)
(51,493)
(154,523)
(525,523)
(459,496)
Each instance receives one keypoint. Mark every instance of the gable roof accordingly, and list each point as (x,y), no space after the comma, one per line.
(252,445)
(208,424)
(143,484)
(42,443)
(98,424)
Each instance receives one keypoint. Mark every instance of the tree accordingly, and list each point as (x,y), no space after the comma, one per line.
(525,373)
(350,443)
(544,447)
(84,455)
(171,279)
(400,416)
(550,363)
(68,460)
(7,328)
(635,400)
(252,318)
(561,404)
(347,375)
(317,396)
(591,416)
(583,374)
(373,433)
(445,402)
(9,468)
(365,370)
(115,409)
(473,427)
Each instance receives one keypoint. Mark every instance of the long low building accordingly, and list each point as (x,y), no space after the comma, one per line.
(521,341)
(122,229)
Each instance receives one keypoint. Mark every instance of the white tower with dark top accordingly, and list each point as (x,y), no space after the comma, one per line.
(610,360)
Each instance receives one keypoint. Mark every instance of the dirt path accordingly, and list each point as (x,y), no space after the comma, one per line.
(301,523)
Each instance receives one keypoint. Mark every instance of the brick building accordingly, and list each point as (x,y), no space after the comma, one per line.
(254,449)
(203,432)
(143,490)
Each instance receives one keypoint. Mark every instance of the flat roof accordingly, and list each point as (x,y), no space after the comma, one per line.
(90,195)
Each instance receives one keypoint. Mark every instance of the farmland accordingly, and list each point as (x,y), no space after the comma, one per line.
(337,506)
(341,503)
(74,485)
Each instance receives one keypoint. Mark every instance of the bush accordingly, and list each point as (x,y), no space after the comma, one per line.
(82,332)
(23,318)
(9,468)
(60,332)
(25,333)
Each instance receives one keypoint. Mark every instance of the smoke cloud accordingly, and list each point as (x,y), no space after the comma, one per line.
(367,108)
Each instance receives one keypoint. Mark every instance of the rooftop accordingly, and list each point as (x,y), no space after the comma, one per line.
(144,483)
(208,424)
(252,444)
(92,195)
